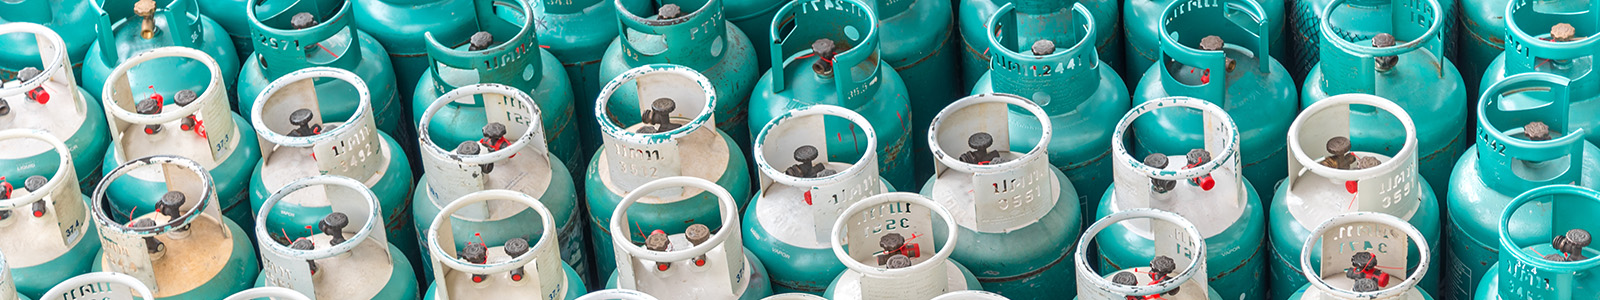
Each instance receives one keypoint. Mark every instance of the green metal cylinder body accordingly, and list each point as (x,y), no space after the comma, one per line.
(73,20)
(1360,20)
(973,18)
(231,14)
(75,117)
(1543,212)
(400,25)
(1144,25)
(177,23)
(754,17)
(1483,37)
(918,38)
(1533,50)
(579,33)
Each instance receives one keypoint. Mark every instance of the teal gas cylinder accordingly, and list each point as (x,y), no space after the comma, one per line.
(1412,74)
(1524,141)
(804,185)
(754,17)
(1534,49)
(323,262)
(141,25)
(198,125)
(1551,237)
(270,292)
(100,285)
(1361,259)
(1174,244)
(677,139)
(1147,28)
(1017,214)
(974,16)
(470,166)
(477,271)
(918,38)
(1203,184)
(898,268)
(616,294)
(1092,95)
(400,24)
(49,213)
(831,57)
(75,117)
(1361,20)
(326,39)
(231,14)
(506,52)
(695,37)
(182,248)
(1336,168)
(578,32)
(1255,89)
(73,20)
(696,263)
(297,143)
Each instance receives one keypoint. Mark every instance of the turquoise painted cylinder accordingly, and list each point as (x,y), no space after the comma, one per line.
(231,14)
(1361,20)
(1533,49)
(578,33)
(698,38)
(477,271)
(1205,185)
(1146,28)
(62,242)
(1092,95)
(973,18)
(398,24)
(753,17)
(185,249)
(197,125)
(495,163)
(698,262)
(511,56)
(173,23)
(73,20)
(893,222)
(1337,168)
(849,72)
(676,139)
(1174,243)
(788,222)
(1519,147)
(1253,89)
(1414,75)
(1019,214)
(363,266)
(1483,37)
(74,117)
(1370,242)
(918,38)
(329,40)
(1544,252)
(296,143)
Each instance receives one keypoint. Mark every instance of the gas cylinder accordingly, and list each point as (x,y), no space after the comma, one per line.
(75,117)
(231,15)
(141,25)
(493,163)
(1336,168)
(296,142)
(1413,74)
(832,58)
(1204,184)
(1365,239)
(899,268)
(400,24)
(1174,243)
(46,216)
(1362,20)
(506,51)
(754,18)
(1260,24)
(578,32)
(789,220)
(197,125)
(1540,43)
(1485,30)
(1092,95)
(1550,245)
(73,20)
(271,292)
(182,247)
(1016,231)
(322,262)
(100,285)
(1225,37)
(697,38)
(918,38)
(616,294)
(1523,130)
(477,271)
(669,142)
(335,42)
(974,17)
(699,263)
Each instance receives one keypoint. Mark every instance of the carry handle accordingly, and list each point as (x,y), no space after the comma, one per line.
(1066,75)
(1526,273)
(1348,66)
(849,24)
(1503,145)
(514,62)
(1185,23)
(282,49)
(691,34)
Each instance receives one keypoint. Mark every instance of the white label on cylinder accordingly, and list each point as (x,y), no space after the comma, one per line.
(449,179)
(353,152)
(633,165)
(915,224)
(127,254)
(1395,193)
(67,209)
(8,288)
(509,112)
(216,120)
(98,291)
(287,272)
(1013,198)
(1386,244)
(547,267)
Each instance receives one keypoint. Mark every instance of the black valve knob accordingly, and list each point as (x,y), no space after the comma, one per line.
(333,225)
(479,41)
